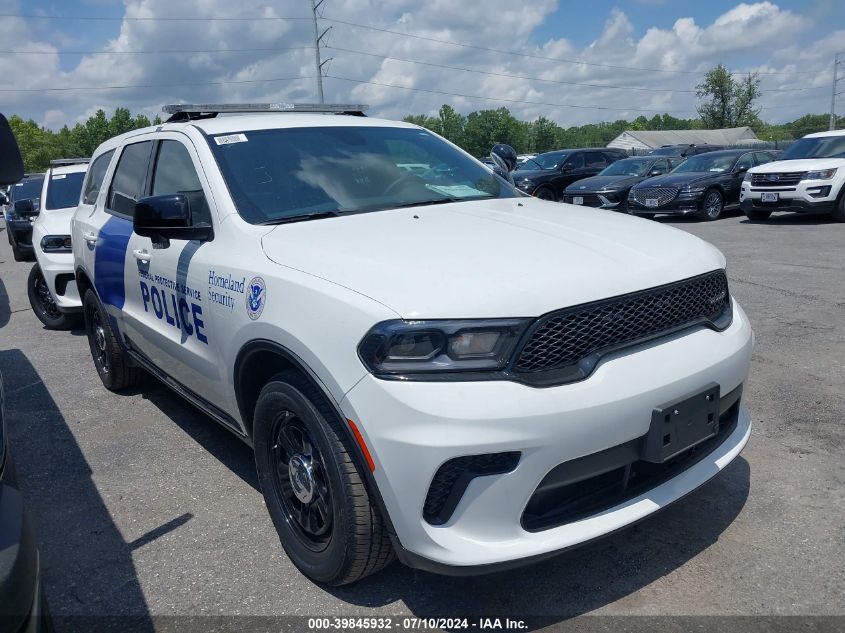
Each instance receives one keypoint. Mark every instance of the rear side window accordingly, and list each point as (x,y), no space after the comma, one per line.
(94,179)
(175,173)
(576,161)
(63,190)
(129,179)
(596,160)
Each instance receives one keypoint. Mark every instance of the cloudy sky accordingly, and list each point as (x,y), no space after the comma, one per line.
(572,61)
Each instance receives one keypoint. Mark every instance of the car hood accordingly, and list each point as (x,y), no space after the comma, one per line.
(55,221)
(802,164)
(597,183)
(498,258)
(532,174)
(679,180)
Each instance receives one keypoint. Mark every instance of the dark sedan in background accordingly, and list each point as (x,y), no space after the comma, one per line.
(547,175)
(24,201)
(609,190)
(703,185)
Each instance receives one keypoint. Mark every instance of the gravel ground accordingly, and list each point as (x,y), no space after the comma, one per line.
(144,507)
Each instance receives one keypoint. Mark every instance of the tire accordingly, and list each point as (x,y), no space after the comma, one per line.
(712,205)
(838,213)
(16,252)
(327,523)
(113,364)
(43,304)
(757,215)
(545,193)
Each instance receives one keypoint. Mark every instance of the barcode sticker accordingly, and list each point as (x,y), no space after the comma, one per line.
(230,138)
(58,177)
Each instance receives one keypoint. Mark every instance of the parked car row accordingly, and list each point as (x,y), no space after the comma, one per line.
(702,181)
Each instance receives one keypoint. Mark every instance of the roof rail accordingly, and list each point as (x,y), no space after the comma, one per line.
(191,112)
(58,162)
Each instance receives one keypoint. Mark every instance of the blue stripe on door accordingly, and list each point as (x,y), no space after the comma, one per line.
(110,260)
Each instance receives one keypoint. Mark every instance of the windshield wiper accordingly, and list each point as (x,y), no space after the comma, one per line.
(302,218)
(423,203)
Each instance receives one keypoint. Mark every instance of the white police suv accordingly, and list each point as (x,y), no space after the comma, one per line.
(427,364)
(51,286)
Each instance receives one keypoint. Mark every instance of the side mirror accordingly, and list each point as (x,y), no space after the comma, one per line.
(25,207)
(11,165)
(168,217)
(504,156)
(740,170)
(655,172)
(566,167)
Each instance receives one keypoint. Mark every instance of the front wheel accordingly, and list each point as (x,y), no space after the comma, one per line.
(43,304)
(712,205)
(315,494)
(838,213)
(113,364)
(545,193)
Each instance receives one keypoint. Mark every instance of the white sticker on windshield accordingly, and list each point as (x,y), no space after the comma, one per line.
(457,191)
(58,177)
(228,139)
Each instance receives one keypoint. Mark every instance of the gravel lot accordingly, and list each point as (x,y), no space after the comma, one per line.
(143,506)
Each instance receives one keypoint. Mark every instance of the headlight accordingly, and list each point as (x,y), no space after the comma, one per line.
(525,184)
(413,349)
(56,244)
(822,174)
(692,191)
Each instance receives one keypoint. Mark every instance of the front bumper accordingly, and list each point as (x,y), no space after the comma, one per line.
(751,199)
(57,269)
(595,200)
(412,428)
(21,599)
(678,206)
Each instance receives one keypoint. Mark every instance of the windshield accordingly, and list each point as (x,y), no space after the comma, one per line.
(817,147)
(63,190)
(666,151)
(551,160)
(627,167)
(285,173)
(26,190)
(717,163)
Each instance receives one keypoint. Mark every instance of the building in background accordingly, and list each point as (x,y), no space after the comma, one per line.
(651,139)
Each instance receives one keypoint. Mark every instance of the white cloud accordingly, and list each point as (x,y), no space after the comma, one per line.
(761,31)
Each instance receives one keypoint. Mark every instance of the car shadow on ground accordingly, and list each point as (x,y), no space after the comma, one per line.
(86,564)
(574,583)
(793,219)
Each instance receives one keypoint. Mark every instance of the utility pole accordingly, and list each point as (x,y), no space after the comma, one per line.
(318,37)
(833,93)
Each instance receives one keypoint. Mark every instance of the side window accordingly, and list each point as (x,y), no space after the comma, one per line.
(761,158)
(596,160)
(576,161)
(674,162)
(662,166)
(174,172)
(94,179)
(745,162)
(129,179)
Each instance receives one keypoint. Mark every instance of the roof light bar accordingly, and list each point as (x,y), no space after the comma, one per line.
(337,108)
(58,162)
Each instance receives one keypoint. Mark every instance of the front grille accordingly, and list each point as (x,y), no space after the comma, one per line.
(452,478)
(783,179)
(567,344)
(663,195)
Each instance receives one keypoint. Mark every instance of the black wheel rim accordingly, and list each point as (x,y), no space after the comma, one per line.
(44,299)
(713,205)
(97,338)
(300,481)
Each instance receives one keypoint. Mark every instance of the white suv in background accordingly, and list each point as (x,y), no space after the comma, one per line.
(426,363)
(808,178)
(51,286)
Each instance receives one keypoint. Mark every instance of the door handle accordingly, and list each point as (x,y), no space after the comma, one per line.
(141,255)
(90,237)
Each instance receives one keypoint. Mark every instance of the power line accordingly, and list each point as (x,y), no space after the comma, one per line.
(157,52)
(554,59)
(104,18)
(541,79)
(179,85)
(479,98)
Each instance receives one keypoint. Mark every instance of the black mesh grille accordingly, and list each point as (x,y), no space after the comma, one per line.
(452,478)
(564,339)
(661,194)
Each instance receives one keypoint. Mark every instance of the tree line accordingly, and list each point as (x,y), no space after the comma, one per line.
(724,101)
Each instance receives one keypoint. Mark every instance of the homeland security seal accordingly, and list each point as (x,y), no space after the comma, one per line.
(256,297)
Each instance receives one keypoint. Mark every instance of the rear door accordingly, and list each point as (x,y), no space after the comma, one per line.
(743,164)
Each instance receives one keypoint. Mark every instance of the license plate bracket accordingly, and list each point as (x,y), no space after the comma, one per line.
(578,200)
(652,202)
(680,425)
(769,196)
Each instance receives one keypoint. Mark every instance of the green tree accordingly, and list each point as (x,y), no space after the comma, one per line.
(485,128)
(544,134)
(451,124)
(728,102)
